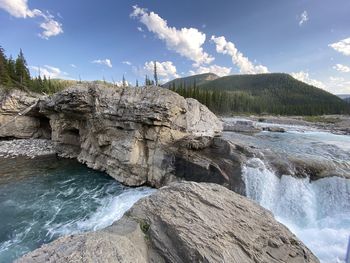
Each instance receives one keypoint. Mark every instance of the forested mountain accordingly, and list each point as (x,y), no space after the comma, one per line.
(274,93)
(190,80)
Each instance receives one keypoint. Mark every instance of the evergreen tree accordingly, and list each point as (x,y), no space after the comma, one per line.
(4,74)
(124,82)
(11,67)
(155,73)
(137,83)
(22,71)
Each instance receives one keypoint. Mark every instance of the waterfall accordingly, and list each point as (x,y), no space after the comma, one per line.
(318,212)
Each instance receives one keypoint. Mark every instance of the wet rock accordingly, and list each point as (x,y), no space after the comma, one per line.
(274,129)
(184,222)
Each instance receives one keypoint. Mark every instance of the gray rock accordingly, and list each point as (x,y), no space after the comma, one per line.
(126,132)
(19,116)
(241,126)
(274,129)
(184,222)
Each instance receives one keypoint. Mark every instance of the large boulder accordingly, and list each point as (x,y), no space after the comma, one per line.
(184,222)
(126,132)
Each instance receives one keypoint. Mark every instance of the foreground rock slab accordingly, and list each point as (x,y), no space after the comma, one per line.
(184,222)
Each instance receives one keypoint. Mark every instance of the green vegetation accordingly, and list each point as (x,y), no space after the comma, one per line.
(274,93)
(323,119)
(144,226)
(14,74)
(189,81)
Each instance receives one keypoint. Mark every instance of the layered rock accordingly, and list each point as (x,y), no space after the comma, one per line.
(127,132)
(19,116)
(184,222)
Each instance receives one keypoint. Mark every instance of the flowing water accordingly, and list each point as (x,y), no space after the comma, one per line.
(42,199)
(318,212)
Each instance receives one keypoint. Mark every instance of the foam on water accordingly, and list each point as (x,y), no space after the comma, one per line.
(317,212)
(41,200)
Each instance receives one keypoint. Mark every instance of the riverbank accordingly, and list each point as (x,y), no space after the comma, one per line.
(29,148)
(337,124)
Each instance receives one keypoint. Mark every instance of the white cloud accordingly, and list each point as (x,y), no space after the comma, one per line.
(305,77)
(127,63)
(49,71)
(304,17)
(139,29)
(335,85)
(186,41)
(73,65)
(20,9)
(218,70)
(107,62)
(120,83)
(165,70)
(228,48)
(339,85)
(343,46)
(51,28)
(342,68)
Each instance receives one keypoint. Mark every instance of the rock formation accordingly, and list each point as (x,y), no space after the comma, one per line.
(184,222)
(18,116)
(126,132)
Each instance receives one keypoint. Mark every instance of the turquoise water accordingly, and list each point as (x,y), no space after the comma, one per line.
(42,199)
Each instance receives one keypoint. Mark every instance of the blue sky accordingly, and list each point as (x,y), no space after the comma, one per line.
(309,39)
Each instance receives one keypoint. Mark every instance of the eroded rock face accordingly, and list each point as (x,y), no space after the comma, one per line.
(126,132)
(184,222)
(28,125)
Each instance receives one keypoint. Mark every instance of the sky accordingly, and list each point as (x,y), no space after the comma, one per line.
(96,40)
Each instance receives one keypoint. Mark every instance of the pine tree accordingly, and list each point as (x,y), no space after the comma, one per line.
(4,74)
(124,82)
(11,67)
(155,73)
(22,71)
(137,83)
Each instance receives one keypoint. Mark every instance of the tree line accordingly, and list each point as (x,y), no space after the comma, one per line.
(14,73)
(273,100)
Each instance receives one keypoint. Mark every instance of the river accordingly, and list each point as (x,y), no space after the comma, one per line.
(44,198)
(318,212)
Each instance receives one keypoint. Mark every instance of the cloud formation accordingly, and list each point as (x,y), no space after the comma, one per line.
(218,70)
(126,62)
(20,9)
(304,17)
(228,48)
(305,77)
(166,70)
(185,41)
(342,46)
(107,62)
(339,85)
(49,72)
(342,68)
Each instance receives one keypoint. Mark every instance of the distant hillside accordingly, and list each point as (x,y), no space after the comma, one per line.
(274,93)
(191,80)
